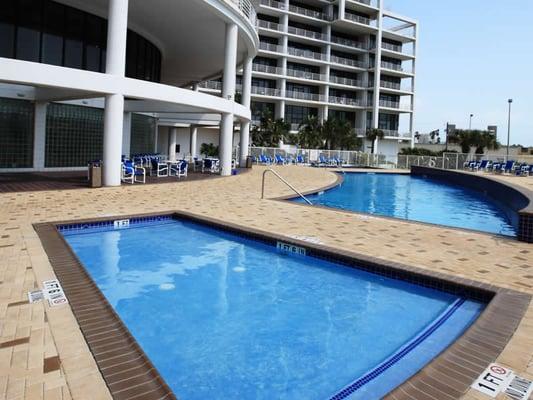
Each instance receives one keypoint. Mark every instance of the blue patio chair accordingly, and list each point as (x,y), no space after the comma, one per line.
(481,166)
(132,173)
(158,168)
(300,159)
(280,160)
(179,169)
(508,167)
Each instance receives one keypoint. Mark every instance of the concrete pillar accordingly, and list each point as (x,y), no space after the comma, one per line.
(246,102)
(117,29)
(194,140)
(342,8)
(377,76)
(39,135)
(172,140)
(113,123)
(126,135)
(228,93)
(226,142)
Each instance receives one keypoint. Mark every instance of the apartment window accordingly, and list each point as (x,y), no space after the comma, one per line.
(259,109)
(298,114)
(28,30)
(142,134)
(341,115)
(268,62)
(306,27)
(345,94)
(269,18)
(343,74)
(52,33)
(388,121)
(302,46)
(263,83)
(313,69)
(389,97)
(293,87)
(7,28)
(74,135)
(16,133)
(268,39)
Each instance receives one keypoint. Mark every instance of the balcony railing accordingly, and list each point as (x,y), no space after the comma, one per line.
(267,69)
(306,12)
(357,18)
(246,7)
(268,25)
(348,42)
(348,61)
(306,75)
(394,104)
(273,4)
(263,91)
(270,47)
(214,85)
(394,67)
(307,54)
(390,85)
(307,33)
(346,101)
(346,81)
(392,47)
(304,96)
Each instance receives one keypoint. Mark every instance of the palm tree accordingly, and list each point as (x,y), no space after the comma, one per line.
(310,133)
(348,139)
(481,140)
(487,141)
(270,131)
(372,134)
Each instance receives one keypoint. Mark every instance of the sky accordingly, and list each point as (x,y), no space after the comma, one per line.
(473,55)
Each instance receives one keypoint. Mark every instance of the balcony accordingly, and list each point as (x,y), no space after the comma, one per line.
(347,61)
(307,12)
(357,18)
(348,42)
(213,85)
(394,104)
(307,54)
(306,33)
(346,81)
(394,67)
(273,4)
(246,8)
(268,25)
(267,69)
(391,47)
(270,47)
(306,75)
(390,85)
(345,101)
(264,91)
(304,96)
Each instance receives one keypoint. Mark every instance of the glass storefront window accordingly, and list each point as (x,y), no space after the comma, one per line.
(142,134)
(16,133)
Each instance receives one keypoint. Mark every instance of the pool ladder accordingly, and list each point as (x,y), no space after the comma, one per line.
(285,182)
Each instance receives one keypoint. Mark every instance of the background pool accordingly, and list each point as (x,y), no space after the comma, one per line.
(223,317)
(418,199)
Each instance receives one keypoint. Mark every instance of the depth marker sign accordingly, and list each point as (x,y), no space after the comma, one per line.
(53,292)
(497,379)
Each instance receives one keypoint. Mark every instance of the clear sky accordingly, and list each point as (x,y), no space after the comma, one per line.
(473,55)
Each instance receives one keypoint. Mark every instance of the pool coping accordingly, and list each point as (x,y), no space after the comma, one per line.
(340,180)
(129,373)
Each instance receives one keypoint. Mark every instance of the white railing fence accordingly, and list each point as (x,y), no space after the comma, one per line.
(457,160)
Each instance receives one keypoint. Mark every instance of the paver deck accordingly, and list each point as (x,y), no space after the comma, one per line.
(42,352)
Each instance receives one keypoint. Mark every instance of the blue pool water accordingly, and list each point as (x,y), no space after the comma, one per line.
(223,317)
(419,199)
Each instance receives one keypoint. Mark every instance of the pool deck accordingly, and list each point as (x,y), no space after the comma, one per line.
(42,352)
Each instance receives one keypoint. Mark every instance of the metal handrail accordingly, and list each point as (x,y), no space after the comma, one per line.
(285,182)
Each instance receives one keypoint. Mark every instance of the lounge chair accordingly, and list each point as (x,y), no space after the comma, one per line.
(280,160)
(300,159)
(265,159)
(481,166)
(508,167)
(211,165)
(496,166)
(526,170)
(132,173)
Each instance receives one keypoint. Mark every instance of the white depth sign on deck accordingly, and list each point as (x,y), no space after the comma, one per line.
(53,292)
(497,379)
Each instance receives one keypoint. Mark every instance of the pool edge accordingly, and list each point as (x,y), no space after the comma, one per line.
(480,345)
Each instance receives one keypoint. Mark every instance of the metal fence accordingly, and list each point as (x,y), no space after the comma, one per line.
(313,156)
(456,160)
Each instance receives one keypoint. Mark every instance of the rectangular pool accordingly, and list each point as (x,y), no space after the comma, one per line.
(226,317)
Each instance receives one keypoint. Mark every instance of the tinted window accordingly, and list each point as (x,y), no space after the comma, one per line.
(53,27)
(7,28)
(29,30)
(74,39)
(94,42)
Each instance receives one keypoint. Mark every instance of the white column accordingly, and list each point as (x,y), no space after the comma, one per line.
(377,75)
(246,102)
(117,29)
(113,122)
(172,139)
(412,117)
(342,7)
(194,140)
(126,135)
(228,93)
(39,135)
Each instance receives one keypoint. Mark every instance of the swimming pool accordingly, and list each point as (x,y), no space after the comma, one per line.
(223,317)
(417,198)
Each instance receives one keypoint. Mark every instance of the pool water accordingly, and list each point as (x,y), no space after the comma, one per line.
(224,317)
(418,199)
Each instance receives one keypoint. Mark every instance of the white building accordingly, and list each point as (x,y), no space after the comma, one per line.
(83,80)
(351,59)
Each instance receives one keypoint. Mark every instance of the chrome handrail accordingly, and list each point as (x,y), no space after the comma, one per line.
(285,182)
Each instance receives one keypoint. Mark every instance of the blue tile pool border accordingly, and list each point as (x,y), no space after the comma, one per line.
(484,340)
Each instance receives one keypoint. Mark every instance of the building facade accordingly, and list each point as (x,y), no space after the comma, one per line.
(83,81)
(349,59)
